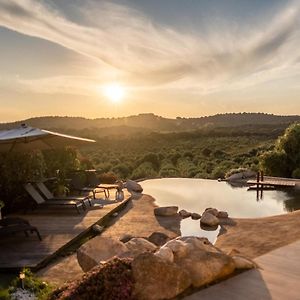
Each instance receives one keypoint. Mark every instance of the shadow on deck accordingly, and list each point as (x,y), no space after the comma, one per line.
(59,227)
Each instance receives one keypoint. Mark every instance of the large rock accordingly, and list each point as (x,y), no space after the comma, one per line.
(209,219)
(137,246)
(156,278)
(166,211)
(97,250)
(133,186)
(203,262)
(158,238)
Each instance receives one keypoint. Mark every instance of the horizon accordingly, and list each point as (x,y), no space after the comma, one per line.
(150,113)
(110,59)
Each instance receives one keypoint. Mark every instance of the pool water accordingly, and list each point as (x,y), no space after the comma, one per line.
(195,195)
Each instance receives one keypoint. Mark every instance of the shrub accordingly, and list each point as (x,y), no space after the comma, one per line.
(33,284)
(108,177)
(112,280)
(144,170)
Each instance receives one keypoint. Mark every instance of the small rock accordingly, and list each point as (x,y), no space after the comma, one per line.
(115,214)
(222,214)
(158,238)
(209,219)
(195,216)
(212,211)
(166,211)
(241,262)
(184,214)
(126,238)
(166,254)
(97,228)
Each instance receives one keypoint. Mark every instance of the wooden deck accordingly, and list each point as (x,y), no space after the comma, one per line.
(58,227)
(277,279)
(269,182)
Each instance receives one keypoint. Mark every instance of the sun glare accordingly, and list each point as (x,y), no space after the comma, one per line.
(114,92)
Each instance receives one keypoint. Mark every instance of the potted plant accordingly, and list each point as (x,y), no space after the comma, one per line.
(60,188)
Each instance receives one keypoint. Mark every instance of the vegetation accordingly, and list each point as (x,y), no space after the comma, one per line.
(112,280)
(31,283)
(17,168)
(284,159)
(189,154)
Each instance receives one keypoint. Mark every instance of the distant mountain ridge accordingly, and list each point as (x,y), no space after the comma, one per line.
(150,122)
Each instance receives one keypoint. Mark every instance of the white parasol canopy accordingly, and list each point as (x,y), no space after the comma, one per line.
(26,138)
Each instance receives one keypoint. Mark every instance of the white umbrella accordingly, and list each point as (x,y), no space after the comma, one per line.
(27,138)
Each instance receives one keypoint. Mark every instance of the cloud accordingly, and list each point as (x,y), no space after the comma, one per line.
(147,54)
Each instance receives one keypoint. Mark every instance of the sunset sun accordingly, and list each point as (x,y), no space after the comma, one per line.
(114,92)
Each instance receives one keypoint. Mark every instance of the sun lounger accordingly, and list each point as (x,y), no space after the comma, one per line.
(49,196)
(9,226)
(36,196)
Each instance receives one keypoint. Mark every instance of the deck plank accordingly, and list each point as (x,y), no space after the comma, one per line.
(57,228)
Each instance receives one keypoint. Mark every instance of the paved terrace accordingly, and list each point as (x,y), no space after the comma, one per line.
(277,278)
(58,226)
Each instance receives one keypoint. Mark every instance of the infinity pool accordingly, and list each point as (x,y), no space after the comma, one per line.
(195,195)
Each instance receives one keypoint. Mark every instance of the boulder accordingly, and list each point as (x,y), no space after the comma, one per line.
(209,219)
(195,216)
(178,247)
(165,253)
(212,211)
(158,238)
(137,246)
(166,211)
(133,186)
(222,214)
(156,278)
(184,214)
(203,262)
(241,262)
(97,250)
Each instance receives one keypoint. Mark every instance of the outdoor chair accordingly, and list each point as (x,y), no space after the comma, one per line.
(49,196)
(78,183)
(36,196)
(9,226)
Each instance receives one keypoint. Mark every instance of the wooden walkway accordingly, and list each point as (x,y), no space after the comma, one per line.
(57,227)
(276,183)
(277,279)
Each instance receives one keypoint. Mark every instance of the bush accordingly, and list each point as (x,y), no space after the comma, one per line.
(108,177)
(112,280)
(296,173)
(33,284)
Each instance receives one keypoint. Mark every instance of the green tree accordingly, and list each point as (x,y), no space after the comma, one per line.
(284,160)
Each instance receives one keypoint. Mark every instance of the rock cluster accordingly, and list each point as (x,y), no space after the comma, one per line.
(165,272)
(210,217)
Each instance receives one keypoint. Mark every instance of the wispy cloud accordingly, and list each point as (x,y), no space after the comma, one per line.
(147,54)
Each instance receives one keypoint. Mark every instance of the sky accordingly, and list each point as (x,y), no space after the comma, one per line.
(173,58)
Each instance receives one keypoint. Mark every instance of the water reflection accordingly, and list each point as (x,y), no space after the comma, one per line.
(195,195)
